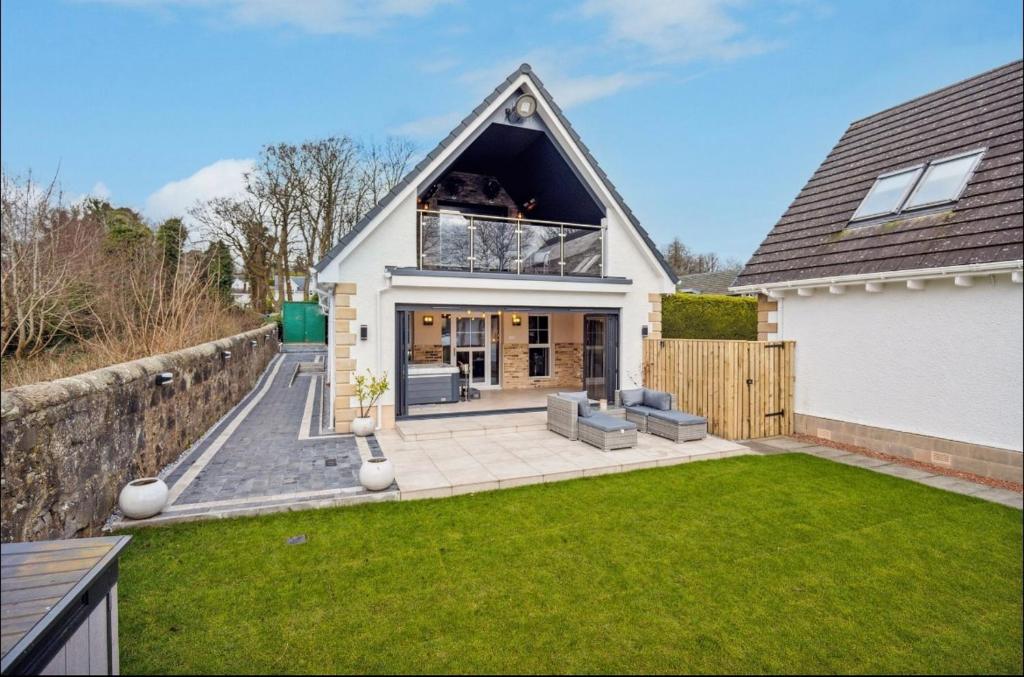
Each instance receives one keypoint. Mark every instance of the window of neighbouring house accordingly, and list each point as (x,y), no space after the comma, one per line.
(539,340)
(888,193)
(936,182)
(944,180)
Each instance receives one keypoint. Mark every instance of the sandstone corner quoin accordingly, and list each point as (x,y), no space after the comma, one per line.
(70,445)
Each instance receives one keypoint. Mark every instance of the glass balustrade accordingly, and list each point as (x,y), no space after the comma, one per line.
(464,242)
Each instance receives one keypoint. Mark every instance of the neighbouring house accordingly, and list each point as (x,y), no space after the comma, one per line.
(897,271)
(240,290)
(503,267)
(716,282)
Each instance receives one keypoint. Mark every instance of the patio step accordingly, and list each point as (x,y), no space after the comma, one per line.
(470,426)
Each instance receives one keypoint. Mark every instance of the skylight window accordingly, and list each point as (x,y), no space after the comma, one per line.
(933,183)
(944,180)
(888,193)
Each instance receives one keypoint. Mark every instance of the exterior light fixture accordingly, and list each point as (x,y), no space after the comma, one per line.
(226,354)
(428,320)
(253,343)
(164,377)
(516,320)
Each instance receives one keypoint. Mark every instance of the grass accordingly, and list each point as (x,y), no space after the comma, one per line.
(754,564)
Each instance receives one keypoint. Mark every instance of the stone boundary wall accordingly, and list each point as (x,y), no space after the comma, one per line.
(70,445)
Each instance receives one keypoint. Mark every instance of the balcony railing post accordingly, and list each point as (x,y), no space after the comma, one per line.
(561,249)
(519,246)
(472,233)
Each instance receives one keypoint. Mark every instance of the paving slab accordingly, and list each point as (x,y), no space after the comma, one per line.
(895,469)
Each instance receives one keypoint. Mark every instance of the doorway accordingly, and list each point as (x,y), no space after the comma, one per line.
(600,355)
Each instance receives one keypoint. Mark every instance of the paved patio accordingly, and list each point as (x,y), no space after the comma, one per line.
(445,457)
(272,452)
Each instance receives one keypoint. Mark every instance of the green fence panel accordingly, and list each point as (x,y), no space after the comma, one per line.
(303,322)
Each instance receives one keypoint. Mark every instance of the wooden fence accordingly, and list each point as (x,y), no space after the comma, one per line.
(743,388)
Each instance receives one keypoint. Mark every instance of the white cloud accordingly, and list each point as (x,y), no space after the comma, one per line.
(429,127)
(679,30)
(100,191)
(554,68)
(223,178)
(311,16)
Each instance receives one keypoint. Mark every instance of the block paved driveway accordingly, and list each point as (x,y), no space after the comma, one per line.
(270,452)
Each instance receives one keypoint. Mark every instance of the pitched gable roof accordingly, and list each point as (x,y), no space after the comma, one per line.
(422,165)
(812,240)
(717,282)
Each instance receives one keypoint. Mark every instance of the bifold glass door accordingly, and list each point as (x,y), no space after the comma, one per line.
(600,355)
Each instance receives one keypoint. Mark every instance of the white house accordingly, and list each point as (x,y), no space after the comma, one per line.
(504,266)
(897,271)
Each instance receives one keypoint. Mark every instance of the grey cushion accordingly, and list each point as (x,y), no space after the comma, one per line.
(584,401)
(631,398)
(678,417)
(606,423)
(640,409)
(655,399)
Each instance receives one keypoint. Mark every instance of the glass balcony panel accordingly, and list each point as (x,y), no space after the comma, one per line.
(444,241)
(582,251)
(542,249)
(494,246)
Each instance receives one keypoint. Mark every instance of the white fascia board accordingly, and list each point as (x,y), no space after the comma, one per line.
(999,267)
(441,282)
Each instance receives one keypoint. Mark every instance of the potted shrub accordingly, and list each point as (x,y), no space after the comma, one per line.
(369,389)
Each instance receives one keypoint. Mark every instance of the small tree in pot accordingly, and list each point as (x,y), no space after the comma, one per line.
(369,390)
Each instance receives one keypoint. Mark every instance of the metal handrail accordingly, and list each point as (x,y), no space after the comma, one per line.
(471,227)
(486,217)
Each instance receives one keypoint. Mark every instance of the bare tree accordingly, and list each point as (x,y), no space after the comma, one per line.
(329,171)
(43,248)
(242,225)
(382,166)
(683,261)
(276,184)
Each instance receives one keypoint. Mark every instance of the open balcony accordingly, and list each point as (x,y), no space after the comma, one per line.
(466,242)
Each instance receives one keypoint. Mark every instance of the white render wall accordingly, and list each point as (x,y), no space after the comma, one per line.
(393,243)
(945,361)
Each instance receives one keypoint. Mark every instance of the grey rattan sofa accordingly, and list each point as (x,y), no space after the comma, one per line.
(658,415)
(596,429)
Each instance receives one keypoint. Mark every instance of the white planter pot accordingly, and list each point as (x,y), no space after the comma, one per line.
(362,426)
(376,474)
(143,498)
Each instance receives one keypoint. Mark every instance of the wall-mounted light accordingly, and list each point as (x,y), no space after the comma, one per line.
(253,343)
(164,377)
(226,354)
(516,320)
(364,332)
(428,320)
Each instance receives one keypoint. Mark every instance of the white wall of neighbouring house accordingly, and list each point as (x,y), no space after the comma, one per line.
(944,361)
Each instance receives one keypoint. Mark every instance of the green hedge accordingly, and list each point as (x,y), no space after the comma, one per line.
(709,316)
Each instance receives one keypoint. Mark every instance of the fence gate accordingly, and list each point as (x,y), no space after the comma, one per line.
(303,322)
(743,388)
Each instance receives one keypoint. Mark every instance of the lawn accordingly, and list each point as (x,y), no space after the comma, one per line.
(754,564)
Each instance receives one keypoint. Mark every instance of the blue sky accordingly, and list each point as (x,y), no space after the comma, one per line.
(709,115)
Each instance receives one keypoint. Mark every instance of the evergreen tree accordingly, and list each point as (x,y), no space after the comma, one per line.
(171,236)
(222,267)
